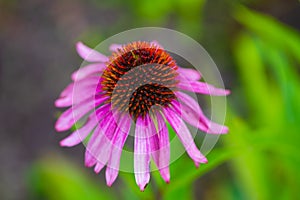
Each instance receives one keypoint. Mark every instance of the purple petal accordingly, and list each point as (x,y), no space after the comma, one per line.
(99,145)
(99,166)
(192,113)
(119,139)
(115,47)
(203,88)
(68,90)
(141,154)
(184,135)
(89,54)
(73,114)
(79,135)
(186,74)
(63,102)
(77,92)
(163,160)
(88,70)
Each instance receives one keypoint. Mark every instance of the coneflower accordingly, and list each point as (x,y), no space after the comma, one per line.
(139,85)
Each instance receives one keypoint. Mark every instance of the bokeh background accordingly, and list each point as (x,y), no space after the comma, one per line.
(255,44)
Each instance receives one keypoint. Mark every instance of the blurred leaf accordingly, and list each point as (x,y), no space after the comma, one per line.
(55,178)
(128,193)
(270,30)
(189,173)
(189,14)
(183,192)
(287,77)
(151,11)
(251,165)
(254,80)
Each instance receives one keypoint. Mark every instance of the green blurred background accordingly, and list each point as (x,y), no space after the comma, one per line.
(255,44)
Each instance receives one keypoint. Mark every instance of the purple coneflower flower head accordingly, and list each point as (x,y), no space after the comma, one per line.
(139,87)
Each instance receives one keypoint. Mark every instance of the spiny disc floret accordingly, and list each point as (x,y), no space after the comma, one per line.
(138,76)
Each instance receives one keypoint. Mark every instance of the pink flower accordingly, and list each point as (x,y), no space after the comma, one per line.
(139,84)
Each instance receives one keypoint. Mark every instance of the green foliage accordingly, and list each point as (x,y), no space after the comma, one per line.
(265,57)
(270,29)
(55,178)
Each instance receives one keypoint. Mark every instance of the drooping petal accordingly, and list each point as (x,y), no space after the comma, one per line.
(162,155)
(201,87)
(79,135)
(68,90)
(99,145)
(141,154)
(88,70)
(90,157)
(115,47)
(89,54)
(153,140)
(99,166)
(73,114)
(188,74)
(119,139)
(63,102)
(184,135)
(193,114)
(77,92)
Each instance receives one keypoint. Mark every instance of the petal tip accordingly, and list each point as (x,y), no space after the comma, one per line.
(88,164)
(110,176)
(204,160)
(63,143)
(143,187)
(109,181)
(109,184)
(98,168)
(79,44)
(59,128)
(165,173)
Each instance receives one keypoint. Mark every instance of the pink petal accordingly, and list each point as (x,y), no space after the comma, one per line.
(163,159)
(186,74)
(99,145)
(73,114)
(77,92)
(89,54)
(99,166)
(119,139)
(115,47)
(141,154)
(79,135)
(193,114)
(184,135)
(203,88)
(88,70)
(68,90)
(63,102)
